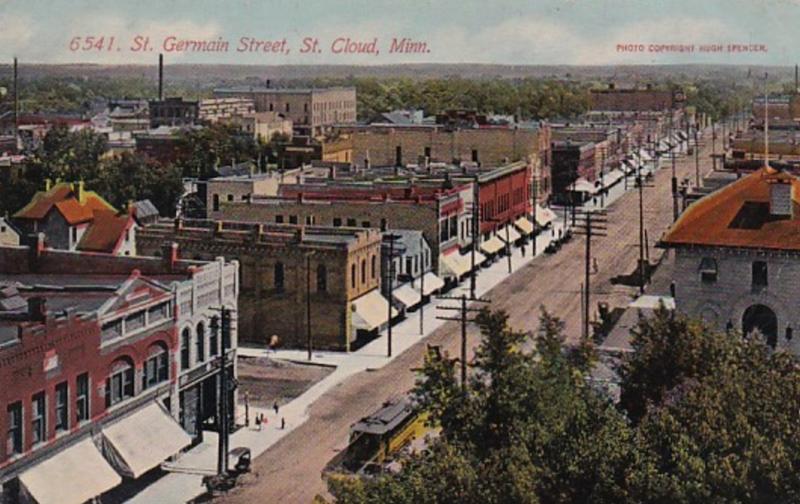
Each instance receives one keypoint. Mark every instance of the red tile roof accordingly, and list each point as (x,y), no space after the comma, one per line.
(105,231)
(64,198)
(738,215)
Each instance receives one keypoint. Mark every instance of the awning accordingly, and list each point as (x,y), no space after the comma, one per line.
(544,216)
(432,283)
(513,234)
(612,177)
(452,265)
(645,155)
(144,439)
(479,259)
(493,245)
(682,135)
(524,225)
(371,311)
(407,295)
(72,476)
(583,185)
(629,165)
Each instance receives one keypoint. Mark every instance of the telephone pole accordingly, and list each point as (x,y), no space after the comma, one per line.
(696,160)
(224,389)
(593,223)
(476,238)
(640,184)
(391,238)
(463,319)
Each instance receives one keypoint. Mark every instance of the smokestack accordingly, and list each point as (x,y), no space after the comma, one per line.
(160,77)
(16,101)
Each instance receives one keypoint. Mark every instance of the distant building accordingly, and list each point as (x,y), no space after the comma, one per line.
(311,110)
(635,99)
(162,144)
(173,112)
(285,270)
(737,256)
(263,126)
(214,110)
(107,365)
(73,218)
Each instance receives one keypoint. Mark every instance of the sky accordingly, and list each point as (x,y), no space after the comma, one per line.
(576,32)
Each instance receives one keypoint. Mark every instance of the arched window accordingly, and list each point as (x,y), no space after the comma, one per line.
(200,342)
(156,367)
(322,278)
(119,384)
(363,271)
(213,340)
(373,267)
(353,276)
(278,273)
(186,342)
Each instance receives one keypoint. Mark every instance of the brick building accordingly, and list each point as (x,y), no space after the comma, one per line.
(173,112)
(284,271)
(90,353)
(737,257)
(310,110)
(635,99)
(214,110)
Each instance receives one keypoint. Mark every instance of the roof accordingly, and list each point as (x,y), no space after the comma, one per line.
(145,210)
(384,420)
(270,90)
(105,231)
(738,215)
(65,198)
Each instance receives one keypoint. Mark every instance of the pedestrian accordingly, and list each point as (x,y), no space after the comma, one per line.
(283,423)
(523,249)
(275,406)
(594,265)
(258,422)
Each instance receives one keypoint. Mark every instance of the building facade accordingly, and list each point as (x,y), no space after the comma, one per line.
(173,112)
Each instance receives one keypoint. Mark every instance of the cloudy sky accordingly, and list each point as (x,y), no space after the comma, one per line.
(455,31)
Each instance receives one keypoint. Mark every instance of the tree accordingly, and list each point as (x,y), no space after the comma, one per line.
(132,177)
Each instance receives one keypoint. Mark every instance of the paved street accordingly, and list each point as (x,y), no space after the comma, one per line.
(290,470)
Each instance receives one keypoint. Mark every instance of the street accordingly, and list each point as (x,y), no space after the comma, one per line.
(290,470)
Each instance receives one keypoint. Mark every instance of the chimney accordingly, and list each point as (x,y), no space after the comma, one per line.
(160,77)
(170,254)
(37,308)
(48,184)
(78,189)
(780,198)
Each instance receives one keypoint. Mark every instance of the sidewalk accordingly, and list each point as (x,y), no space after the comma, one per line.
(184,481)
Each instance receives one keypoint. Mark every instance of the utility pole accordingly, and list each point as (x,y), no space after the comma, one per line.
(674,187)
(475,234)
(602,178)
(421,284)
(640,184)
(308,304)
(16,103)
(696,160)
(508,247)
(533,213)
(593,224)
(390,237)
(223,390)
(714,145)
(463,319)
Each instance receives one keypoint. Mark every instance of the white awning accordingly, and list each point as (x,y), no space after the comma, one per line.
(630,166)
(645,155)
(583,185)
(612,177)
(145,439)
(513,234)
(407,295)
(524,225)
(452,265)
(371,311)
(479,259)
(72,476)
(544,216)
(432,283)
(493,245)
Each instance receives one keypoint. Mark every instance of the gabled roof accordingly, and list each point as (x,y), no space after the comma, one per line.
(105,231)
(738,215)
(64,198)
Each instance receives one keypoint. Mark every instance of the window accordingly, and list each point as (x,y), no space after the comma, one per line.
(366,224)
(200,342)
(475,155)
(292,219)
(353,276)
(383,224)
(158,313)
(38,419)
(453,226)
(62,407)
(134,322)
(363,271)
(112,330)
(213,340)
(82,398)
(74,232)
(230,197)
(409,266)
(278,273)
(186,340)
(119,385)
(428,152)
(14,433)
(156,367)
(337,222)
(322,278)
(351,222)
(789,333)
(708,270)
(215,204)
(279,219)
(759,274)
(309,220)
(398,156)
(287,107)
(373,268)
(444,232)
(271,107)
